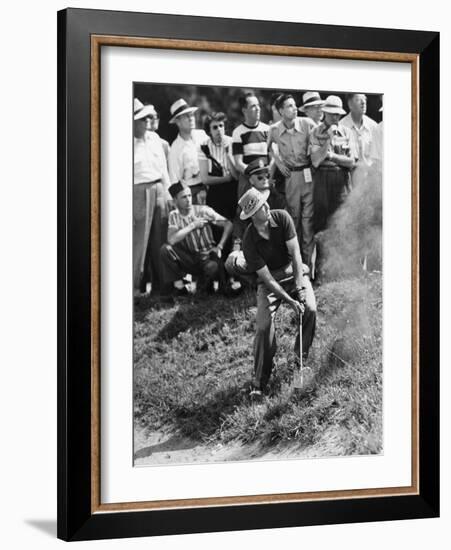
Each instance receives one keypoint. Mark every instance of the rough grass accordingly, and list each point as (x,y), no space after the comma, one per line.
(193,362)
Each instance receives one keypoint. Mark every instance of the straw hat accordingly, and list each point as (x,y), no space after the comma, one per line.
(141,111)
(309,99)
(251,201)
(334,105)
(180,107)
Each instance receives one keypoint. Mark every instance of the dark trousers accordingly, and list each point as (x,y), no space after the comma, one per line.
(265,345)
(177,261)
(331,185)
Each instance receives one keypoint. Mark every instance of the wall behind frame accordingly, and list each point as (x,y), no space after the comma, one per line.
(28,280)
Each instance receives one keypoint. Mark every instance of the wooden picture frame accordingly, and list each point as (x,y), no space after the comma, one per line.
(81,35)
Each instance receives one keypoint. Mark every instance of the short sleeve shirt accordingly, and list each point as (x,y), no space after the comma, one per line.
(201,239)
(293,144)
(363,136)
(183,158)
(149,160)
(272,252)
(341,144)
(250,141)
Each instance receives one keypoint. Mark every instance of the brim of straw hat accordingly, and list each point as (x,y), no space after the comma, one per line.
(311,104)
(184,112)
(145,111)
(263,198)
(333,110)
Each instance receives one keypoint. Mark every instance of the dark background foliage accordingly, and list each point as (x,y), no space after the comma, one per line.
(225,99)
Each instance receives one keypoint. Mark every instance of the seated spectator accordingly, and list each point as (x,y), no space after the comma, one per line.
(191,247)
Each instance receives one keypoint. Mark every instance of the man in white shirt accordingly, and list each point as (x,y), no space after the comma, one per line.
(362,128)
(184,153)
(150,194)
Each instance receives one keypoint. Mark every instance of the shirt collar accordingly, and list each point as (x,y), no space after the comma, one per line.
(283,128)
(272,224)
(364,123)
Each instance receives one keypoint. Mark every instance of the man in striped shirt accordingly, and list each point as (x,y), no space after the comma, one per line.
(249,139)
(249,142)
(191,247)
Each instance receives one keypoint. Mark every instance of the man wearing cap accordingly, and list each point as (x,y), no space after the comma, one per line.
(311,106)
(362,128)
(271,251)
(184,152)
(291,137)
(191,247)
(333,153)
(150,194)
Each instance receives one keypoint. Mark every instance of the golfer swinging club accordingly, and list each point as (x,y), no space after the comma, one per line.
(271,250)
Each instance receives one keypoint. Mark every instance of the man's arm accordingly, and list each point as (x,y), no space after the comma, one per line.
(273,286)
(175,235)
(318,151)
(239,164)
(227,226)
(211,180)
(175,166)
(274,154)
(295,253)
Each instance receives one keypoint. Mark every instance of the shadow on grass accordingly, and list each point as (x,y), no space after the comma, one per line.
(201,421)
(201,311)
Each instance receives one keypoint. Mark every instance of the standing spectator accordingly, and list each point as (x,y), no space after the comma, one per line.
(291,136)
(311,106)
(217,168)
(191,247)
(333,153)
(249,139)
(151,182)
(249,142)
(362,128)
(184,152)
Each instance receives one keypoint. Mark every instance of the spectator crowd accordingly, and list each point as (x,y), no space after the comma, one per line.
(186,195)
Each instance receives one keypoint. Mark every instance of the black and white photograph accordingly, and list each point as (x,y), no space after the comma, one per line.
(257,273)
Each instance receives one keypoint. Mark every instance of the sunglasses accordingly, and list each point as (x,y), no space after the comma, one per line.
(262,177)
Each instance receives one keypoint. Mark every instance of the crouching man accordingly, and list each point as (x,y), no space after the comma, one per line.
(191,247)
(271,250)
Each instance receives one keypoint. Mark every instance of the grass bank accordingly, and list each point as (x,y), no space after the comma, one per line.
(193,361)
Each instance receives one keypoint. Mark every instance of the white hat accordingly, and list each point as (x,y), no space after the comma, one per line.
(251,201)
(180,107)
(334,105)
(309,99)
(140,110)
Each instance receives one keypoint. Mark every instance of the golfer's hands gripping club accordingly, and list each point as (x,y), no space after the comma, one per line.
(300,297)
(297,307)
